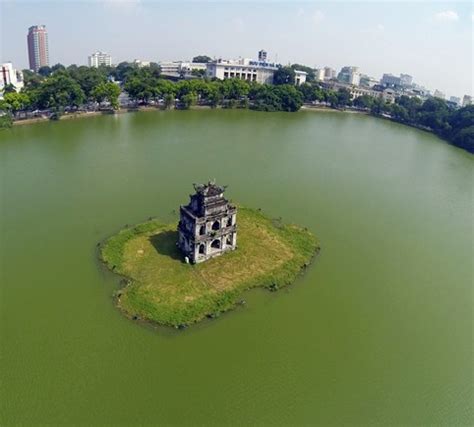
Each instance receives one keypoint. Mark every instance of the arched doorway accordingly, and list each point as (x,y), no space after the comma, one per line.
(216,244)
(202,230)
(216,225)
(202,248)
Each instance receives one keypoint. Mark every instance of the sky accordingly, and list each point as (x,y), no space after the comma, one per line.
(430,40)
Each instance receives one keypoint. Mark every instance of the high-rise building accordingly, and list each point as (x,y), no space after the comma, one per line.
(406,80)
(349,75)
(466,100)
(38,52)
(100,58)
(262,55)
(329,73)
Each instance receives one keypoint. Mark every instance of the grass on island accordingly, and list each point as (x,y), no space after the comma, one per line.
(166,290)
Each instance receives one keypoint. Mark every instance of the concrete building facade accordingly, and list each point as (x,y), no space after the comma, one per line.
(38,51)
(99,58)
(10,76)
(466,100)
(244,69)
(349,75)
(207,226)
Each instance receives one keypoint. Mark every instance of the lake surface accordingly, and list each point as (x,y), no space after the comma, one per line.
(379,330)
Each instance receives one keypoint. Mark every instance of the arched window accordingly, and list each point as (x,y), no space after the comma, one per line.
(216,225)
(229,221)
(202,248)
(216,244)
(202,230)
(229,240)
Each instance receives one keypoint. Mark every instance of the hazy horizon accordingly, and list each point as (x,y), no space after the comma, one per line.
(432,41)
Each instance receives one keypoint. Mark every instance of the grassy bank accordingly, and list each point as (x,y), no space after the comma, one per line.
(165,290)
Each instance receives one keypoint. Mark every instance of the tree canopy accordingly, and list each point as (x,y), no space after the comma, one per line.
(202,58)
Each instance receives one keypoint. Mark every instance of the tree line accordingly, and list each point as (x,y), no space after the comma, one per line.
(59,89)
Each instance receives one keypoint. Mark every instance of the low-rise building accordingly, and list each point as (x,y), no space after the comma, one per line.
(439,94)
(367,81)
(140,64)
(244,69)
(249,70)
(10,76)
(389,80)
(455,100)
(180,68)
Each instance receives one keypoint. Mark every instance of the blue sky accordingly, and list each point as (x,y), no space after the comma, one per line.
(432,41)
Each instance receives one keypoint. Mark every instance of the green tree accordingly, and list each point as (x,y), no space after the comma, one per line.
(168,100)
(9,88)
(88,78)
(123,70)
(107,92)
(60,91)
(290,98)
(6,120)
(202,58)
(187,100)
(57,67)
(284,75)
(364,101)
(16,102)
(31,79)
(44,71)
(343,97)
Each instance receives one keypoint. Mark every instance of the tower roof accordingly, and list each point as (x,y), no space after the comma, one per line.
(209,189)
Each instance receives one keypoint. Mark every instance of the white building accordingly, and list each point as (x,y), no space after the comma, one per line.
(10,76)
(455,100)
(140,64)
(349,75)
(319,74)
(249,70)
(439,94)
(300,77)
(244,69)
(100,58)
(180,68)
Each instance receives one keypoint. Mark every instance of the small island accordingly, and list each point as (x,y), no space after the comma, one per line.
(179,275)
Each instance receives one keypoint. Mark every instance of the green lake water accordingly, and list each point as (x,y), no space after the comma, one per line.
(379,331)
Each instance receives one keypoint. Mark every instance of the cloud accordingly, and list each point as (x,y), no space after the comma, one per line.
(446,16)
(317,16)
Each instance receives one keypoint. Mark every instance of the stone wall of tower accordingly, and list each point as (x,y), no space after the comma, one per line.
(207,227)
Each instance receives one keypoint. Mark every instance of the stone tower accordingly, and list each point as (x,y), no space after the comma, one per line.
(207,226)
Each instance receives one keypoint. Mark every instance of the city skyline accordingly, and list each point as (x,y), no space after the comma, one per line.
(375,38)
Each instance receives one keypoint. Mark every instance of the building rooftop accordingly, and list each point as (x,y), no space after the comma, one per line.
(209,189)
